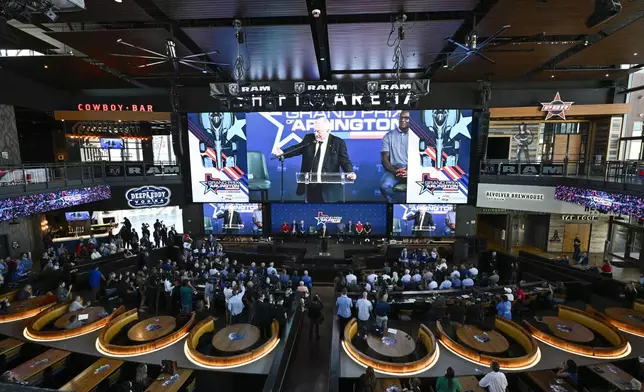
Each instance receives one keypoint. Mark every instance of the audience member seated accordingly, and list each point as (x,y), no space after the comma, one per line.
(77,304)
(24,294)
(568,371)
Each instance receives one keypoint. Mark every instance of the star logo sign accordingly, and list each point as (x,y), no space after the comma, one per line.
(427,185)
(211,185)
(321,218)
(556,108)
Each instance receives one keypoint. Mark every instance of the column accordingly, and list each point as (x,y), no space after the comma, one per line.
(9,145)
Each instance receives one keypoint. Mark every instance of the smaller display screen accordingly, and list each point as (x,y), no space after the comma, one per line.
(604,202)
(233,218)
(110,143)
(16,207)
(77,216)
(346,217)
(425,220)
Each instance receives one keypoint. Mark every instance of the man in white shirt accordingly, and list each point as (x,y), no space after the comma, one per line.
(167,286)
(446,285)
(364,313)
(432,285)
(76,305)
(372,277)
(473,271)
(508,293)
(406,278)
(351,278)
(236,306)
(494,381)
(441,265)
(228,292)
(95,255)
(417,278)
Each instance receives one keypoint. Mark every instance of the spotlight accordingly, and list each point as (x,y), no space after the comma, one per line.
(413,101)
(305,101)
(603,12)
(317,101)
(330,102)
(366,101)
(390,100)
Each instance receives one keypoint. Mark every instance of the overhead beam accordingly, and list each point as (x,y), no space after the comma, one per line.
(459,36)
(175,30)
(320,36)
(590,41)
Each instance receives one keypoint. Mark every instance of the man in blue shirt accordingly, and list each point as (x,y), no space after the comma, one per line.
(393,156)
(343,305)
(308,282)
(271,269)
(467,282)
(95,277)
(382,310)
(257,220)
(446,285)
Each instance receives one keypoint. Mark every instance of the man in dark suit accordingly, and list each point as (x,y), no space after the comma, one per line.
(231,217)
(321,153)
(423,221)
(324,238)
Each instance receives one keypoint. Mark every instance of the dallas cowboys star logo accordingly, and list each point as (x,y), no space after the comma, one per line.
(556,108)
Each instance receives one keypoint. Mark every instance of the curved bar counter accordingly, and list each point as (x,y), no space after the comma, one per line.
(509,328)
(227,362)
(619,318)
(594,322)
(425,336)
(34,329)
(25,309)
(115,325)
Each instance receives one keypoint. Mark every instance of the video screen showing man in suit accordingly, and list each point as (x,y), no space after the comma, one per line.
(321,153)
(427,220)
(249,218)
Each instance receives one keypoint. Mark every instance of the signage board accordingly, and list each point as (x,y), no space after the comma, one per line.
(114,107)
(522,169)
(556,107)
(579,217)
(148,196)
(136,170)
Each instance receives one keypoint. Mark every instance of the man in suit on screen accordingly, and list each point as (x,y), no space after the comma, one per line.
(321,153)
(423,221)
(232,220)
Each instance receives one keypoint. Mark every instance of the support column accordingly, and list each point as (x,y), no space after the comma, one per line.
(9,145)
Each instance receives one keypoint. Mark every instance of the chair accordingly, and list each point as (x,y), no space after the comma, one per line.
(258,179)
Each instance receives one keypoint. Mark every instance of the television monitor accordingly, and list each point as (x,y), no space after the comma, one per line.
(232,154)
(246,218)
(16,207)
(438,220)
(311,217)
(77,216)
(604,202)
(112,143)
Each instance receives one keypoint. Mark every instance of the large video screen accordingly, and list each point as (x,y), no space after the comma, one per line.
(412,140)
(16,207)
(335,216)
(233,218)
(604,202)
(217,146)
(426,220)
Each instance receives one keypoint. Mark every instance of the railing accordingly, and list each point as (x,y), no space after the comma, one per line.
(625,172)
(58,175)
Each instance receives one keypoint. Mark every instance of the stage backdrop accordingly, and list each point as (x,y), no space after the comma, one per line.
(217,150)
(446,133)
(331,214)
(441,214)
(212,225)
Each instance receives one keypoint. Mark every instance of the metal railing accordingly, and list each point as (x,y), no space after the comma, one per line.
(30,177)
(624,172)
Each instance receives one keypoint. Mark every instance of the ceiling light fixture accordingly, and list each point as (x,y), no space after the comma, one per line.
(118,1)
(635,54)
(552,76)
(606,75)
(46,66)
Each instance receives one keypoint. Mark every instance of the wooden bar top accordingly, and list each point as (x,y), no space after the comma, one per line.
(158,384)
(615,376)
(35,365)
(9,344)
(469,383)
(93,375)
(545,378)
